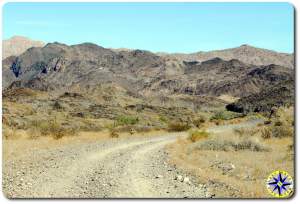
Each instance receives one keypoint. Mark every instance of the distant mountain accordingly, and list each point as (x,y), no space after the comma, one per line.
(245,53)
(17,45)
(58,66)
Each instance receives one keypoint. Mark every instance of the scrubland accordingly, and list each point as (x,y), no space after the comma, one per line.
(236,161)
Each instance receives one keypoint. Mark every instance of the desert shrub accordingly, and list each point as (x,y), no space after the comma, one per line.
(133,128)
(56,130)
(9,133)
(277,132)
(240,131)
(229,145)
(246,132)
(114,133)
(163,119)
(196,135)
(199,121)
(127,120)
(217,122)
(178,126)
(265,133)
(247,144)
(282,131)
(50,128)
(278,123)
(57,105)
(280,126)
(225,115)
(34,133)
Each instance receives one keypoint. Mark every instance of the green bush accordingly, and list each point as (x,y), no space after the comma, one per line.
(163,119)
(127,120)
(225,115)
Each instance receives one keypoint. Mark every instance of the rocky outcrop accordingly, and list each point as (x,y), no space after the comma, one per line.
(282,94)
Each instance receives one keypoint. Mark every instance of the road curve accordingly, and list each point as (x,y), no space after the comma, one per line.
(116,168)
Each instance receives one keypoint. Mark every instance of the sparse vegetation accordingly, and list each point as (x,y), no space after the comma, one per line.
(163,119)
(127,120)
(196,135)
(114,133)
(57,105)
(178,126)
(225,115)
(50,128)
(199,121)
(280,126)
(229,145)
(9,133)
(246,132)
(265,133)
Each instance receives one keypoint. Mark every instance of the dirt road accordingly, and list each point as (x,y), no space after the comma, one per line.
(116,168)
(134,167)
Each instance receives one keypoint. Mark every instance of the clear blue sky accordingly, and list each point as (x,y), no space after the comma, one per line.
(169,27)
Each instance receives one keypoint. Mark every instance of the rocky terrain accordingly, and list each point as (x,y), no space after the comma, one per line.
(124,168)
(88,87)
(245,53)
(59,91)
(60,67)
(17,45)
(282,94)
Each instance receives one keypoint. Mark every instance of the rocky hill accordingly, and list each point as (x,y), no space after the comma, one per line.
(17,45)
(245,53)
(282,94)
(87,87)
(58,66)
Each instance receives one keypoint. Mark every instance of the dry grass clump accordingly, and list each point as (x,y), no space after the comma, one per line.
(113,133)
(281,126)
(216,144)
(246,132)
(178,126)
(132,129)
(199,121)
(196,135)
(282,131)
(49,128)
(9,133)
(265,133)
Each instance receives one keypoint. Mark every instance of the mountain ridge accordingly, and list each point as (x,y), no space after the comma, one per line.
(245,53)
(57,65)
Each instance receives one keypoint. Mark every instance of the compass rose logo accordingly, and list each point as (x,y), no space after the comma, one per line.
(280,184)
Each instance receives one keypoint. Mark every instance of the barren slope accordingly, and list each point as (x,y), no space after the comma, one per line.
(17,45)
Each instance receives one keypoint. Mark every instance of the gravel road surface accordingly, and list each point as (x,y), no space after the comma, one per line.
(115,168)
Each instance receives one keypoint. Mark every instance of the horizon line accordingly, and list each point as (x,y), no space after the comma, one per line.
(162,52)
